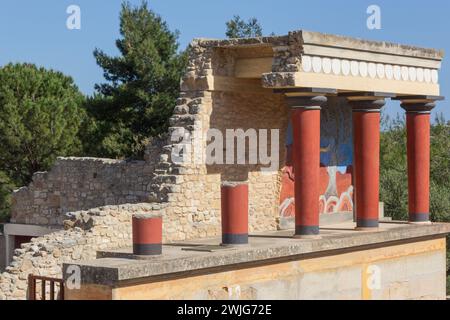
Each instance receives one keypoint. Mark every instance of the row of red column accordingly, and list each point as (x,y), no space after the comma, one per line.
(305,117)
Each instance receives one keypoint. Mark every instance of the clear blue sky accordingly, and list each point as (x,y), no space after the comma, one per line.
(35,31)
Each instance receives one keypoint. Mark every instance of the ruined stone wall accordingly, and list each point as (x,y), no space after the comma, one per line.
(86,232)
(187,193)
(193,195)
(191,190)
(195,205)
(82,183)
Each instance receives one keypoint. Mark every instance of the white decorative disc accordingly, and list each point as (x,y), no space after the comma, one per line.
(306,63)
(326,65)
(363,69)
(336,66)
(420,75)
(397,73)
(405,74)
(354,68)
(317,64)
(372,70)
(389,70)
(380,71)
(412,73)
(434,76)
(345,67)
(427,75)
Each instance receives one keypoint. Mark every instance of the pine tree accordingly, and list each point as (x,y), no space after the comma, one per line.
(6,188)
(142,84)
(40,116)
(238,28)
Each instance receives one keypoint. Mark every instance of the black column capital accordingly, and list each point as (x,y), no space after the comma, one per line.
(419,104)
(418,107)
(372,106)
(306,102)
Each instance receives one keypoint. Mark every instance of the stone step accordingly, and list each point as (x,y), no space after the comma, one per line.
(182,120)
(181,110)
(175,179)
(161,171)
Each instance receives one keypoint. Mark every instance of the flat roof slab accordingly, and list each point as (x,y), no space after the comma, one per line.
(116,266)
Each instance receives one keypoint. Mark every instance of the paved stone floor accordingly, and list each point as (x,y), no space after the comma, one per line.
(206,253)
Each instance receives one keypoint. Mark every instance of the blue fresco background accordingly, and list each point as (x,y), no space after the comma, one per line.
(336,135)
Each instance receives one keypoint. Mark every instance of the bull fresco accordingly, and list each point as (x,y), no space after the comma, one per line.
(336,157)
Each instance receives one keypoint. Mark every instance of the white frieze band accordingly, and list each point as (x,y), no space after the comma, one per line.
(366,69)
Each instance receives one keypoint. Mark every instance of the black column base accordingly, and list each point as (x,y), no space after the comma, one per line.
(147,249)
(419,217)
(232,239)
(367,223)
(307,230)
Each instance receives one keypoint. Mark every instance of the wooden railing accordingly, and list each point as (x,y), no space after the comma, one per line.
(55,286)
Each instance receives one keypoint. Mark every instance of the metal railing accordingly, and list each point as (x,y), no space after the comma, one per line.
(55,288)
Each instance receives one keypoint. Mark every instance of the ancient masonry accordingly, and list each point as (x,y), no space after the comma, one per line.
(253,84)
(86,233)
(188,195)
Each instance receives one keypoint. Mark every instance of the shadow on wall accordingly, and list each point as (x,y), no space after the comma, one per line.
(258,111)
(247,111)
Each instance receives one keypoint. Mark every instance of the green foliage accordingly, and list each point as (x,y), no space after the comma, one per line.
(394,178)
(40,116)
(440,171)
(448,284)
(141,89)
(238,28)
(393,169)
(6,187)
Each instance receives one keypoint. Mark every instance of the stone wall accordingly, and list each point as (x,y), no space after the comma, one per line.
(81,183)
(248,111)
(192,194)
(191,188)
(86,232)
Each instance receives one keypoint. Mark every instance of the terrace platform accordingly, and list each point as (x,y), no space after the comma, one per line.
(399,261)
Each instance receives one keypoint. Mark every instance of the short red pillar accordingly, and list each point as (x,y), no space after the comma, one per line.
(234,200)
(147,234)
(418,150)
(305,118)
(366,148)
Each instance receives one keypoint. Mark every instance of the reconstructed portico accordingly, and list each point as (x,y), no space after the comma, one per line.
(366,73)
(304,236)
(309,69)
(326,92)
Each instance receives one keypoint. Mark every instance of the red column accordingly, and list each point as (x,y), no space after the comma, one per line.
(147,234)
(366,149)
(418,150)
(234,201)
(305,117)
